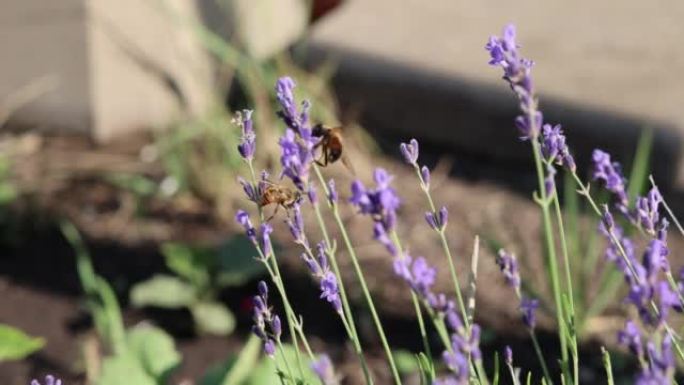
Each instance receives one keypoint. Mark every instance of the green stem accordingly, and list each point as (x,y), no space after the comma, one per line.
(416,304)
(540,356)
(353,334)
(551,251)
(571,293)
(366,293)
(287,365)
(447,251)
(608,366)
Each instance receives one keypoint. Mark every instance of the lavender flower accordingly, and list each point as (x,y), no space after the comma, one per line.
(417,273)
(410,152)
(266,229)
(509,267)
(504,53)
(630,337)
(297,155)
(295,120)
(610,173)
(554,147)
(646,211)
(380,235)
(49,380)
(267,325)
(253,193)
(464,346)
(248,141)
(612,253)
(324,370)
(550,180)
(312,194)
(243,219)
(320,269)
(296,225)
(508,355)
(660,365)
(528,307)
(381,202)
(332,192)
(437,221)
(425,175)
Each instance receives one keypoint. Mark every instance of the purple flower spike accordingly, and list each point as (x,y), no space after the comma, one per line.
(312,194)
(437,221)
(610,173)
(646,214)
(330,291)
(332,192)
(248,141)
(410,152)
(243,219)
(276,326)
(269,348)
(508,355)
(509,267)
(49,380)
(550,180)
(528,307)
(425,174)
(297,156)
(251,192)
(265,321)
(381,202)
(555,148)
(295,120)
(324,370)
(630,337)
(296,226)
(266,231)
(463,347)
(417,273)
(503,52)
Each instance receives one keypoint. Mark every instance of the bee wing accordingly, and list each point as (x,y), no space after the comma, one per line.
(347,163)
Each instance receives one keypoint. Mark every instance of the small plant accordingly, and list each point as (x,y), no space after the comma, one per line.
(141,355)
(17,345)
(200,274)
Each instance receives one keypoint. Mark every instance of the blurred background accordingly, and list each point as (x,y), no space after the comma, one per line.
(116,144)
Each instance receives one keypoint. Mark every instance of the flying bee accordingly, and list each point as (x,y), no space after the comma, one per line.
(332,146)
(272,193)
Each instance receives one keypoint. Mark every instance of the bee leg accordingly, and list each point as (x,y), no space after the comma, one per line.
(273,214)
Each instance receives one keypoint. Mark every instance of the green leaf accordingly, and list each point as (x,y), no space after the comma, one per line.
(124,369)
(154,349)
(405,361)
(427,369)
(191,263)
(235,370)
(213,318)
(16,345)
(237,263)
(265,371)
(245,363)
(216,373)
(638,176)
(163,291)
(7,193)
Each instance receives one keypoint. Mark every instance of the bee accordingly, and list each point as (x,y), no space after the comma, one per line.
(272,193)
(332,146)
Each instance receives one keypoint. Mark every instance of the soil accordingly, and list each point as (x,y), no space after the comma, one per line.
(61,177)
